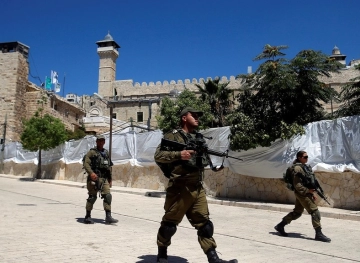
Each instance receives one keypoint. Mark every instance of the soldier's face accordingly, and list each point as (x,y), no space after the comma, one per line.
(100,143)
(191,119)
(304,158)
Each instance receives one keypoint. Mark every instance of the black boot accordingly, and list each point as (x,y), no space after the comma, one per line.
(319,236)
(162,255)
(213,257)
(109,219)
(280,228)
(88,219)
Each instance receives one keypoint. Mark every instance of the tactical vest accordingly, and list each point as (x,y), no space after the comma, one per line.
(100,161)
(200,159)
(307,180)
(310,178)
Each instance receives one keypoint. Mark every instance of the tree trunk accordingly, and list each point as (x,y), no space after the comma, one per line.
(38,173)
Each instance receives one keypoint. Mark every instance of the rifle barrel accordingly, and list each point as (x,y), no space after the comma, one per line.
(181,146)
(322,196)
(221,154)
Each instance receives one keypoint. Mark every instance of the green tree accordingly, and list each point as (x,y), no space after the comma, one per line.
(350,96)
(77,134)
(271,52)
(170,109)
(42,132)
(280,97)
(218,96)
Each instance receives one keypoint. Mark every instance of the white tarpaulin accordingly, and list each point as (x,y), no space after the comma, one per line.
(332,146)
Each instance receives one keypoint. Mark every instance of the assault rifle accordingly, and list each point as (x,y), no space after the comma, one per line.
(199,146)
(99,183)
(320,191)
(314,184)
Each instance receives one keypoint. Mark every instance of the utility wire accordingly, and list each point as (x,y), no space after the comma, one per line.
(35,77)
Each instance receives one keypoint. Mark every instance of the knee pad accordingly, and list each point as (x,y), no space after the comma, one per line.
(167,230)
(92,199)
(107,198)
(206,230)
(315,215)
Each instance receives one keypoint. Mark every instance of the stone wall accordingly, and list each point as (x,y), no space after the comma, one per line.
(70,114)
(127,89)
(342,189)
(133,98)
(13,78)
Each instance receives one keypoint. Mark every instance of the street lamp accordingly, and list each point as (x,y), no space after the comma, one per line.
(4,134)
(111,106)
(2,154)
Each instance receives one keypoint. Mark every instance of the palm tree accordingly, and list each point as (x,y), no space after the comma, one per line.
(218,96)
(270,52)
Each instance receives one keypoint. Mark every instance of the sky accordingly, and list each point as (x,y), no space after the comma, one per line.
(164,40)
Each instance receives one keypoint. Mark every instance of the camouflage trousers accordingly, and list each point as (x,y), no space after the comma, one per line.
(189,200)
(301,203)
(93,191)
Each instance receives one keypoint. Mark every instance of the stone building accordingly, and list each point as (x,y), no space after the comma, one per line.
(338,80)
(140,102)
(132,102)
(19,97)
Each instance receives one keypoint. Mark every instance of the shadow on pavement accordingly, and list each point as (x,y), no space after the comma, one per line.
(96,221)
(153,258)
(27,179)
(292,235)
(155,194)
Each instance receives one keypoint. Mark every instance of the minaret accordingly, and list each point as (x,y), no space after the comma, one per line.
(108,53)
(338,56)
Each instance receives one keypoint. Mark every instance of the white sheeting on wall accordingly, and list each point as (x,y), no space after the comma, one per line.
(332,146)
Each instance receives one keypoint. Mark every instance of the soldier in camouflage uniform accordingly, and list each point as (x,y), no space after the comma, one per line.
(304,198)
(97,164)
(185,194)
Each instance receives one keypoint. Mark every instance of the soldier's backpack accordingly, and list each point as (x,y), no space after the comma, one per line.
(288,178)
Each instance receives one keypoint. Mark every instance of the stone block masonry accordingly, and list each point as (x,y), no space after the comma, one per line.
(342,189)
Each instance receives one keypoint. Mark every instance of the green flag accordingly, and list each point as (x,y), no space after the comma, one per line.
(48,83)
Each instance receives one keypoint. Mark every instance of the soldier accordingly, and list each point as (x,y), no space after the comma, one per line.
(304,197)
(97,164)
(185,194)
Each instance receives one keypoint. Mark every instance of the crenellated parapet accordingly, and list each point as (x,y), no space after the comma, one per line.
(129,88)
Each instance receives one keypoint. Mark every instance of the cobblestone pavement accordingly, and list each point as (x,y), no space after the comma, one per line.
(42,222)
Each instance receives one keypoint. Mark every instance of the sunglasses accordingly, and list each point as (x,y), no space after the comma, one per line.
(305,157)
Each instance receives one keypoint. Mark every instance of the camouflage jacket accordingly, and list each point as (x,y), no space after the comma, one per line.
(96,161)
(180,169)
(302,174)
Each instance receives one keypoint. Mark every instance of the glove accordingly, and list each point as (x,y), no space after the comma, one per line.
(93,177)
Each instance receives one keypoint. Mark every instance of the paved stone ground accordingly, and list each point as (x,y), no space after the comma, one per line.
(41,221)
